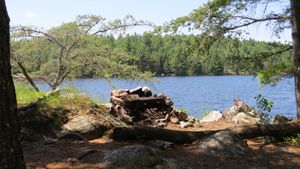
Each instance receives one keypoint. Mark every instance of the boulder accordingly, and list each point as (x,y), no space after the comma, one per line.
(223,143)
(139,156)
(212,116)
(182,116)
(280,119)
(246,118)
(134,156)
(241,113)
(91,125)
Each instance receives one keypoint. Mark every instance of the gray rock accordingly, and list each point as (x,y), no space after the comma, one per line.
(241,113)
(223,143)
(170,163)
(247,118)
(212,116)
(134,156)
(280,119)
(139,156)
(90,126)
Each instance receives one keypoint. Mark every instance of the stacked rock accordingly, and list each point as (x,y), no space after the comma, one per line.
(139,105)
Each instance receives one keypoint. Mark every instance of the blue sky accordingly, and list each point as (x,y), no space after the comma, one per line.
(49,13)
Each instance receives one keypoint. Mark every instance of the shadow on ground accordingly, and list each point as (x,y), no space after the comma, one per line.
(67,154)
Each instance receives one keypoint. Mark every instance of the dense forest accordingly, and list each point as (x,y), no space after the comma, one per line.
(180,55)
(185,55)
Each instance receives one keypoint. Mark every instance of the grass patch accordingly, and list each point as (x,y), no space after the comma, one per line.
(53,109)
(25,94)
(68,97)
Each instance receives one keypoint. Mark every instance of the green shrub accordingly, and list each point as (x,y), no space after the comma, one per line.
(294,139)
(264,107)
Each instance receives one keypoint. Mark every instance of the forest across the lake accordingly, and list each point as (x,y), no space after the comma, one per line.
(179,55)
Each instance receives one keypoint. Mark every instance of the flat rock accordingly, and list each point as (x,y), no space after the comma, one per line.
(90,126)
(212,116)
(223,143)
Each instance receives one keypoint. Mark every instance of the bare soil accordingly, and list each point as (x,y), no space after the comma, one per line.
(70,154)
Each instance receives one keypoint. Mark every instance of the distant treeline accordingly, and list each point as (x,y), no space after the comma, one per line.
(179,55)
(184,55)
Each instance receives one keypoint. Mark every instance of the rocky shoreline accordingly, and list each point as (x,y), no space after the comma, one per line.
(139,108)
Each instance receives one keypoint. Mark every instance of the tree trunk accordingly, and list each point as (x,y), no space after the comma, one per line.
(28,78)
(11,154)
(295,8)
(181,137)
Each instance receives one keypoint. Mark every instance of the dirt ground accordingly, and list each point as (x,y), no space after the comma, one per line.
(70,154)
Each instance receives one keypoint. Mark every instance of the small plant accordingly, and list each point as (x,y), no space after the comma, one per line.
(204,112)
(184,110)
(294,139)
(264,106)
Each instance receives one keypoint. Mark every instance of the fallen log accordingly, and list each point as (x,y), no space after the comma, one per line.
(253,131)
(181,137)
(150,133)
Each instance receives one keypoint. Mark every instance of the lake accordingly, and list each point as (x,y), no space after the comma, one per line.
(202,93)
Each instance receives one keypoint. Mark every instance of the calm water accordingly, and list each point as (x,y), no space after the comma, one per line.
(200,93)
